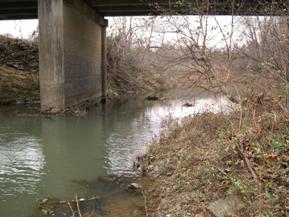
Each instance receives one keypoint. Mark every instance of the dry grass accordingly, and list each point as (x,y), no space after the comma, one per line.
(15,84)
(212,155)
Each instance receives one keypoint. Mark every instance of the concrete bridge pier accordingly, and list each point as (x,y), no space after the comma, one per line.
(72,54)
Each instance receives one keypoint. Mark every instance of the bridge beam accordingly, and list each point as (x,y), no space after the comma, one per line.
(72,54)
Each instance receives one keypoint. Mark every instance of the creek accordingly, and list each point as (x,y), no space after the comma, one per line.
(44,157)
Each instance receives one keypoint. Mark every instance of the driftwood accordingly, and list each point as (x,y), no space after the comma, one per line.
(77,204)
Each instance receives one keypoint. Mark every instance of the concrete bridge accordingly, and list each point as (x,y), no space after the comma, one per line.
(72,35)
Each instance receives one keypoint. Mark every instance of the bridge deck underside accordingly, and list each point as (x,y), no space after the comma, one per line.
(27,9)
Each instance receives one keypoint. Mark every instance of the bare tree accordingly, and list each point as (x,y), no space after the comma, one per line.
(129,55)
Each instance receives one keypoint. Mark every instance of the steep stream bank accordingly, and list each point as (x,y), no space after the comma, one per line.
(18,87)
(19,79)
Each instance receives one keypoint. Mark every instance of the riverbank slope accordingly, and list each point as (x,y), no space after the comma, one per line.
(19,80)
(219,165)
(19,75)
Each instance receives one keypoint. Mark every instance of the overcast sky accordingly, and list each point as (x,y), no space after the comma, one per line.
(18,28)
(25,28)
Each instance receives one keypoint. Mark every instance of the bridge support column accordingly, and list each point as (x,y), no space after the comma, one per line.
(103,64)
(71,53)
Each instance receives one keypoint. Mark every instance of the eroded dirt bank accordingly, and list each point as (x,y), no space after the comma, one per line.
(19,81)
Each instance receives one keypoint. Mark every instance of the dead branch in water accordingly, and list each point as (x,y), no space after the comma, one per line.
(71,209)
(77,204)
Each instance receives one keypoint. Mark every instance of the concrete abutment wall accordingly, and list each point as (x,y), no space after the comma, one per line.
(72,53)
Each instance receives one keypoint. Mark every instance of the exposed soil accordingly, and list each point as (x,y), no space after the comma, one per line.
(18,87)
(19,82)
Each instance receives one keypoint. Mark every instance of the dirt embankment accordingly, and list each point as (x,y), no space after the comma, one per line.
(218,165)
(19,81)
(19,75)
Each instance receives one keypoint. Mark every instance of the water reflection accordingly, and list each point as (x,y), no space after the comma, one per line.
(41,157)
(129,139)
(74,150)
(21,166)
(21,163)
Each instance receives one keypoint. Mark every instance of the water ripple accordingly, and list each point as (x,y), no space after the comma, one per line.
(21,163)
(126,143)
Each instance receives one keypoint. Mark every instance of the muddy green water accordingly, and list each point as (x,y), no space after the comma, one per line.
(41,157)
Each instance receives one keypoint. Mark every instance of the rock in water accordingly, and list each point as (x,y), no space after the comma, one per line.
(188,104)
(134,187)
(152,98)
(226,207)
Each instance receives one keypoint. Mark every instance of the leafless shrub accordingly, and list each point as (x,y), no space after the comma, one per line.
(195,45)
(130,58)
(267,47)
(264,49)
